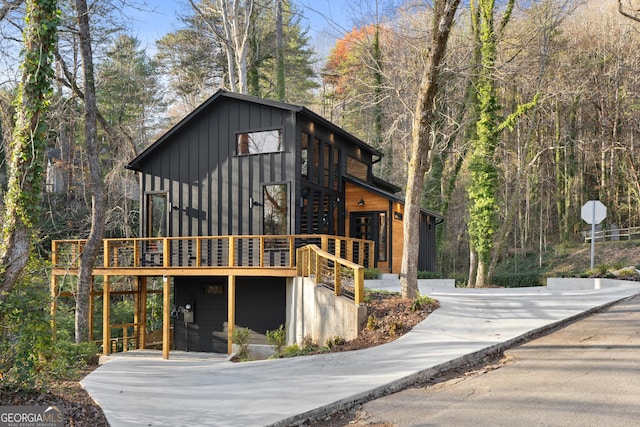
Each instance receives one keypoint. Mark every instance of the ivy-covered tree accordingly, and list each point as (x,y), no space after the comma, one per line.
(26,149)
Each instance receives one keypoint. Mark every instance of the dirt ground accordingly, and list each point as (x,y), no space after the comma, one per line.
(390,317)
(69,396)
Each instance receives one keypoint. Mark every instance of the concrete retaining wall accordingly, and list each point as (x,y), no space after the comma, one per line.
(586,283)
(315,312)
(392,283)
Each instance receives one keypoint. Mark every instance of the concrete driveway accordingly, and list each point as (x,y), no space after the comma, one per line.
(149,391)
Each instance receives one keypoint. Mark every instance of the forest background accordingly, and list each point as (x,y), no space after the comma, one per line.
(573,63)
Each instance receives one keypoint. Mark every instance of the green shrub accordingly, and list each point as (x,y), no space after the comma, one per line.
(335,341)
(372,322)
(377,292)
(420,302)
(517,280)
(461,280)
(240,337)
(372,274)
(429,275)
(307,347)
(278,338)
(30,357)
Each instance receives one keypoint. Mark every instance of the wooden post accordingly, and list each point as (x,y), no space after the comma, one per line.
(54,303)
(262,248)
(166,316)
(337,278)
(136,252)
(54,286)
(142,319)
(136,313)
(292,251)
(198,251)
(166,253)
(91,305)
(106,315)
(325,243)
(358,284)
(231,320)
(232,249)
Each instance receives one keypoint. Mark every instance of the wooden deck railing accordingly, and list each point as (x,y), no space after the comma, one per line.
(342,276)
(256,251)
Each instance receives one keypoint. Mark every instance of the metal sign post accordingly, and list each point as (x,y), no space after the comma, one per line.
(593,212)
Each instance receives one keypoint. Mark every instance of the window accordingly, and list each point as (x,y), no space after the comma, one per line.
(268,141)
(275,209)
(357,168)
(157,215)
(304,153)
(382,236)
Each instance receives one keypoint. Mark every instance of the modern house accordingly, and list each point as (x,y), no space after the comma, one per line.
(244,182)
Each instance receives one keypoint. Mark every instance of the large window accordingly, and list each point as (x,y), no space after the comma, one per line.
(275,209)
(266,141)
(157,215)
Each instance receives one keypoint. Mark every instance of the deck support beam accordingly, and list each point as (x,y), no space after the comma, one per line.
(141,312)
(91,307)
(166,316)
(106,315)
(231,312)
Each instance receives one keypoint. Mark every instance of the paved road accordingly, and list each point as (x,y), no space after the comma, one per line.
(586,374)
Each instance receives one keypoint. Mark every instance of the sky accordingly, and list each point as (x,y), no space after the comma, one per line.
(326,20)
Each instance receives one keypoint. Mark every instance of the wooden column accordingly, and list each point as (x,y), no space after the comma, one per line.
(54,303)
(166,316)
(106,315)
(91,305)
(231,309)
(54,286)
(142,316)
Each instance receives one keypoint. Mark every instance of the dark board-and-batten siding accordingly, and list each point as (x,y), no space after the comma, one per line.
(209,185)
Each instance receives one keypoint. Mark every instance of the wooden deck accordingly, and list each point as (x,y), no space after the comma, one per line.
(332,261)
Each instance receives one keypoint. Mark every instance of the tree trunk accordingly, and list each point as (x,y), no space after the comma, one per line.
(481,274)
(443,14)
(94,241)
(26,150)
(473,267)
(280,86)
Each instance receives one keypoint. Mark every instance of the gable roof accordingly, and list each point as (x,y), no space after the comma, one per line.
(221,93)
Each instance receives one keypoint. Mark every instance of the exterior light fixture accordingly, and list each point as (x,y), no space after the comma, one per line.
(361,202)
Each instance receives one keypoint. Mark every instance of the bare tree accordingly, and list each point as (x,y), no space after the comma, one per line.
(443,13)
(230,21)
(94,240)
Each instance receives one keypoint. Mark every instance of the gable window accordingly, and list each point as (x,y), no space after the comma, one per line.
(357,169)
(259,142)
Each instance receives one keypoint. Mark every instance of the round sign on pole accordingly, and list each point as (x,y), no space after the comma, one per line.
(593,212)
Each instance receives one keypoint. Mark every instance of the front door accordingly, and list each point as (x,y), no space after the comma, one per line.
(371,226)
